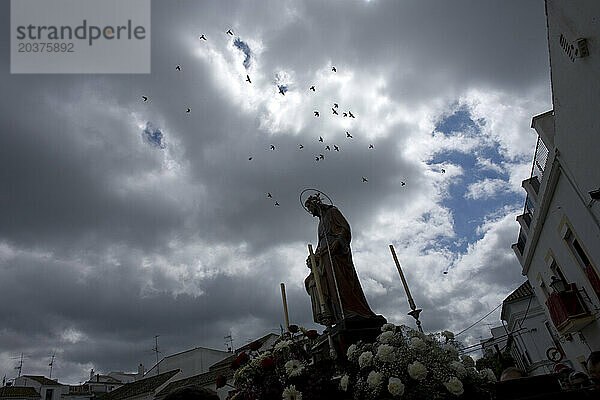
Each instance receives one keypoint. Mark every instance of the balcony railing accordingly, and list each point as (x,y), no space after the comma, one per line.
(521,242)
(567,310)
(537,170)
(539,159)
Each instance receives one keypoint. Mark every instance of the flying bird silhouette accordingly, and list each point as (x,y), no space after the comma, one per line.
(202,37)
(333,69)
(371,146)
(334,112)
(364,179)
(351,115)
(178,67)
(188,110)
(145,98)
(335,105)
(321,156)
(316,113)
(249,158)
(443,171)
(345,114)
(327,148)
(317,158)
(402,183)
(248,79)
(336,148)
(269,195)
(229,32)
(272,147)
(321,139)
(281,91)
(300,146)
(277,204)
(312,88)
(348,135)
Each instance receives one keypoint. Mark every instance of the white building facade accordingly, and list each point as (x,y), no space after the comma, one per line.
(559,241)
(191,362)
(47,388)
(530,338)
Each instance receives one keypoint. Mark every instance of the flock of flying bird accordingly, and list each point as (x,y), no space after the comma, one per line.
(317,114)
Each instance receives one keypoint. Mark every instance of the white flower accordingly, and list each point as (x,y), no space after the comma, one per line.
(385,337)
(294,368)
(283,344)
(417,344)
(460,369)
(374,379)
(467,361)
(488,374)
(365,359)
(344,382)
(448,335)
(454,386)
(395,386)
(351,350)
(290,393)
(240,374)
(417,371)
(388,327)
(256,361)
(385,353)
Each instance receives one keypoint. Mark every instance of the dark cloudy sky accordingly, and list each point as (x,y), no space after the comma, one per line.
(121,220)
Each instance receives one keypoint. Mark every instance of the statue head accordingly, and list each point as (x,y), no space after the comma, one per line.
(313,204)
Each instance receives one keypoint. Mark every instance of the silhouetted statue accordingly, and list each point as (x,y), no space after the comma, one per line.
(334,247)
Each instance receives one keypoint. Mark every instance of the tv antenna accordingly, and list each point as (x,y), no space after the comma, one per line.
(229,342)
(155,349)
(52,363)
(20,366)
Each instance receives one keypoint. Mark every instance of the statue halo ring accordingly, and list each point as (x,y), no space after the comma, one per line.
(314,190)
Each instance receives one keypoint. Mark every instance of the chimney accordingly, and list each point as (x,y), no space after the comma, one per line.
(97,377)
(140,373)
(91,374)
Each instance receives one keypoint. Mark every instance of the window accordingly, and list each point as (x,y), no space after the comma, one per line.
(582,259)
(557,272)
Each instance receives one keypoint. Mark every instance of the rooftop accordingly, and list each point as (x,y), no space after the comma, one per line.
(137,388)
(18,391)
(43,380)
(196,380)
(522,292)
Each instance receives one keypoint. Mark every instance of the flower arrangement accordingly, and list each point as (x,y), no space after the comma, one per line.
(401,364)
(286,371)
(406,364)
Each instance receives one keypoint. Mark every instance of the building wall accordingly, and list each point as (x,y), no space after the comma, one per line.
(57,390)
(531,336)
(498,338)
(576,90)
(571,172)
(192,362)
(122,376)
(565,209)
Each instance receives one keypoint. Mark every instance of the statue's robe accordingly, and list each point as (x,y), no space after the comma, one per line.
(334,227)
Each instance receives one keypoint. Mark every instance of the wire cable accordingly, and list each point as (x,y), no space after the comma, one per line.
(482,318)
